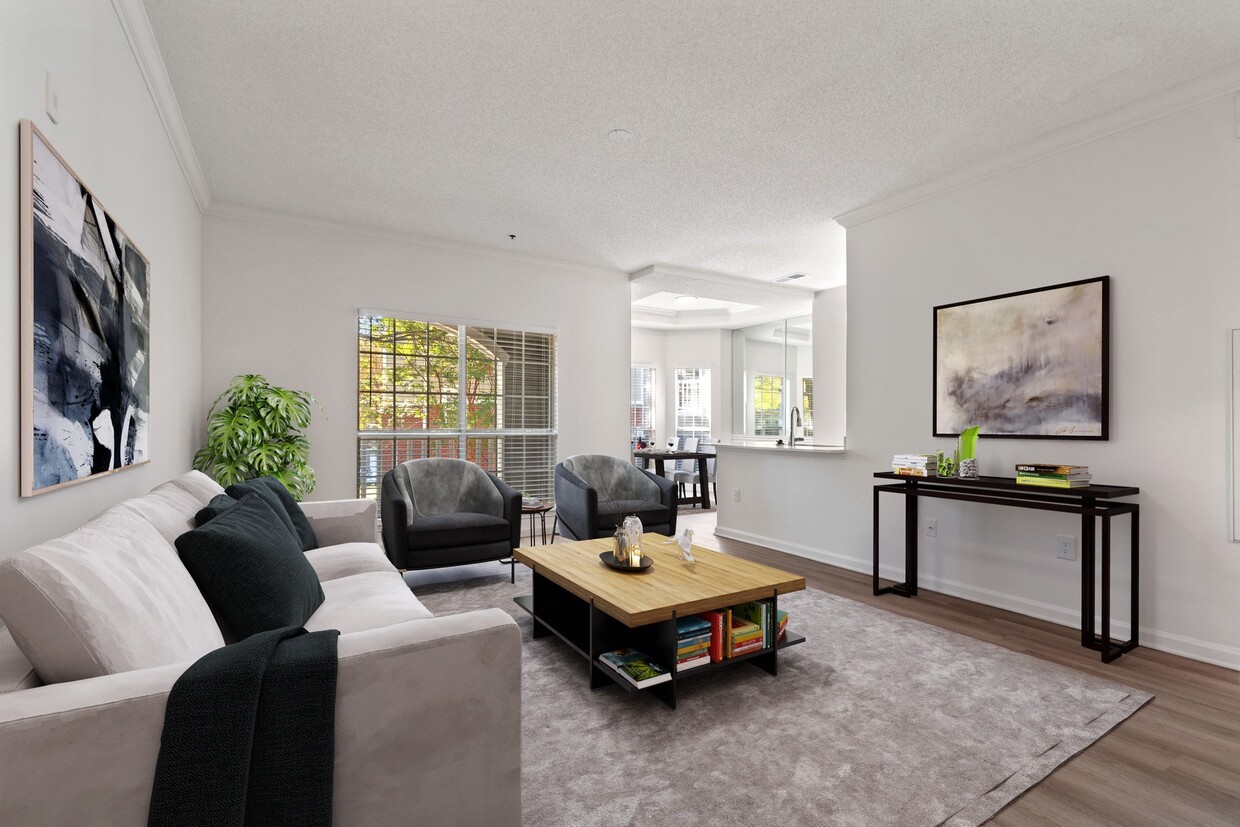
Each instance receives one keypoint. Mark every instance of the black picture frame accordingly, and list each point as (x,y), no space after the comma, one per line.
(1032,379)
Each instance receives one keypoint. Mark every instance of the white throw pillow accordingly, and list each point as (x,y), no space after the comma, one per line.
(112,596)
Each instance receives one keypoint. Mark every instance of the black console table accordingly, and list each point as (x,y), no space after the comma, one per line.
(1090,502)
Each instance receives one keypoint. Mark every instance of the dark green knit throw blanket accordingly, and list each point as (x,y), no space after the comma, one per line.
(249,735)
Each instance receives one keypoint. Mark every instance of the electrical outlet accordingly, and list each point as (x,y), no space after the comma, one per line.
(932,528)
(1065,547)
(736,495)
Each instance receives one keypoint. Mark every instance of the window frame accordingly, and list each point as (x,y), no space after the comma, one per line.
(462,435)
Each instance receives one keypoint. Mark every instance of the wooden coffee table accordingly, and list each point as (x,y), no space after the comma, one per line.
(595,609)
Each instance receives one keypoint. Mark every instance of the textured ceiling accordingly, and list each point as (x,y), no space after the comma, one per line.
(752,122)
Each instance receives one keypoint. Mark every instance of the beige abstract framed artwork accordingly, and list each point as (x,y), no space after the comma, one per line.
(1028,365)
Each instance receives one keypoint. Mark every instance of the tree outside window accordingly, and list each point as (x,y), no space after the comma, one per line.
(768,404)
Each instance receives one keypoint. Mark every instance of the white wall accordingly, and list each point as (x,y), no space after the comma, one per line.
(1157,207)
(280,298)
(111,135)
(830,365)
(666,350)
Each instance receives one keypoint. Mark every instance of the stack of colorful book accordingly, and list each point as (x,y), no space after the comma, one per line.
(746,637)
(692,643)
(782,618)
(915,465)
(1053,476)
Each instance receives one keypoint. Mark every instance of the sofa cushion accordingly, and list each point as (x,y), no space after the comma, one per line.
(251,568)
(168,507)
(16,672)
(200,485)
(108,597)
(297,518)
(612,514)
(345,559)
(370,600)
(461,528)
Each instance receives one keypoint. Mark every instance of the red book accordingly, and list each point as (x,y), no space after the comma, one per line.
(715,618)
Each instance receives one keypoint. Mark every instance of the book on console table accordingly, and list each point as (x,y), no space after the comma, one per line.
(915,465)
(908,471)
(635,667)
(1051,482)
(1040,469)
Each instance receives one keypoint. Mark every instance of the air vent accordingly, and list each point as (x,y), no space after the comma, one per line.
(793,277)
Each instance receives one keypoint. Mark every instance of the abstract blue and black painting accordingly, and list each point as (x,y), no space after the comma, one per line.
(86,330)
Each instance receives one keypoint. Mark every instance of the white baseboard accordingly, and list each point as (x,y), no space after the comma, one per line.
(1204,651)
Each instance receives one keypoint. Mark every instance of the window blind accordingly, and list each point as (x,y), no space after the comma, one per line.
(807,404)
(693,402)
(641,405)
(428,389)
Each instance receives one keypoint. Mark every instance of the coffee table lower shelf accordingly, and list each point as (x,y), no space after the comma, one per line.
(590,632)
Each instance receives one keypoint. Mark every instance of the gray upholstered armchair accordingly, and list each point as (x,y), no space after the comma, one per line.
(448,512)
(595,492)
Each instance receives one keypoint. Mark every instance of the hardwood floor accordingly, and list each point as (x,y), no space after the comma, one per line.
(1174,763)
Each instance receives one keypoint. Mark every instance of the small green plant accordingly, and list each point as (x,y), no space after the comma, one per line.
(947,465)
(258,432)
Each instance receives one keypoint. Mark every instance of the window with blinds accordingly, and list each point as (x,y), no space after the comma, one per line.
(768,404)
(693,402)
(807,404)
(427,389)
(641,405)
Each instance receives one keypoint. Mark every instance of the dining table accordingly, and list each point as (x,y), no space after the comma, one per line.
(659,457)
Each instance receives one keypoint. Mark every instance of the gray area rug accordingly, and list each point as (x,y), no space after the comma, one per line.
(875,720)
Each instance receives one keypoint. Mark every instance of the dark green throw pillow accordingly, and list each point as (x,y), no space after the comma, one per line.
(218,505)
(269,487)
(250,568)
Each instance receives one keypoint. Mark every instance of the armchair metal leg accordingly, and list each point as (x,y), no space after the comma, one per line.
(554,525)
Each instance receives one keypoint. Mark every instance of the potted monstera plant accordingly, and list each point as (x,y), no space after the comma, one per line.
(256,429)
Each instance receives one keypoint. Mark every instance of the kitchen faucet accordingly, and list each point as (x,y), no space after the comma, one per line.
(794,419)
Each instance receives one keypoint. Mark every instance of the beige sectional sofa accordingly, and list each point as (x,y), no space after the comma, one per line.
(428,710)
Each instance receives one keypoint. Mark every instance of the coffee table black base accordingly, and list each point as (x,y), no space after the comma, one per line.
(590,632)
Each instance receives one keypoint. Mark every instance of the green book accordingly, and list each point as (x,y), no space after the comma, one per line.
(757,612)
(635,667)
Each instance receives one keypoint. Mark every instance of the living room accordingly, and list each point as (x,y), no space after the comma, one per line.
(282,186)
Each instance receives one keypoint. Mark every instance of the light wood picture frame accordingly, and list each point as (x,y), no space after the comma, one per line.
(85,329)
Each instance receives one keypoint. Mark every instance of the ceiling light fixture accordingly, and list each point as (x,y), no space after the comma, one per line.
(618,136)
(686,299)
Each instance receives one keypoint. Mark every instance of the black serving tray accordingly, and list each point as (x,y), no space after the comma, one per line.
(609,560)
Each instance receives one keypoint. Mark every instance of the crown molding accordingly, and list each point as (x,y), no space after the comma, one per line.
(279,218)
(786,290)
(137,28)
(1160,105)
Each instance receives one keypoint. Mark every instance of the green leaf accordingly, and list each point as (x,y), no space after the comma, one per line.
(256,431)
(968,442)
